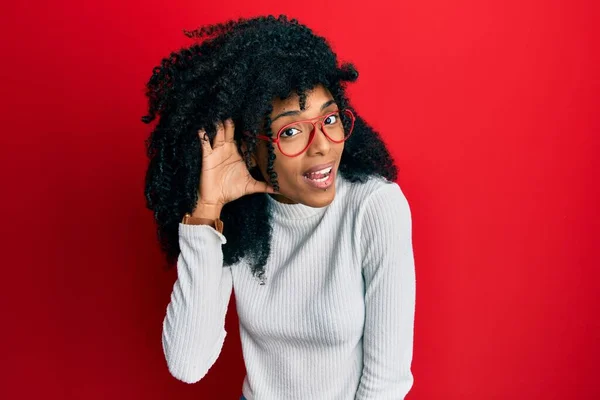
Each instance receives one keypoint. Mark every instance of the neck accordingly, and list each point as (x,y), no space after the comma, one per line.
(282,199)
(282,207)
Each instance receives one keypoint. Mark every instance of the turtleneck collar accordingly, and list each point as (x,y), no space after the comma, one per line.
(299,210)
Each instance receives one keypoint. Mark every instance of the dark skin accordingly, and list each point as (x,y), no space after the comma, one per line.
(225,177)
(292,185)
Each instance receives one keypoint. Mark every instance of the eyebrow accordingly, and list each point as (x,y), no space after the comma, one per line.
(297,112)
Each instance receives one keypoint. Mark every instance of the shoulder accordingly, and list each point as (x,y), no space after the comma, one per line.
(377,207)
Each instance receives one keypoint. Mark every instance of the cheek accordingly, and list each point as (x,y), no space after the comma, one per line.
(282,165)
(288,169)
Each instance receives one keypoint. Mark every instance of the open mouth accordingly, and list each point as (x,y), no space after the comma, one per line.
(319,176)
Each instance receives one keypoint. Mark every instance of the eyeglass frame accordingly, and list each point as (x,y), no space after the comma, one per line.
(320,119)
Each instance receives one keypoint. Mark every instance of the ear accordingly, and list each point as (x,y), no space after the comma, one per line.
(253,162)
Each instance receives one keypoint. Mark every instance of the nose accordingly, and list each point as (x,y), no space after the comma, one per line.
(320,144)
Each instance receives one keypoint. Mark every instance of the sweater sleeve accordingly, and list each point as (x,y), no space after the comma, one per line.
(194,326)
(389,275)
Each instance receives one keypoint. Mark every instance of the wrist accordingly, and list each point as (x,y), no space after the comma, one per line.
(207,211)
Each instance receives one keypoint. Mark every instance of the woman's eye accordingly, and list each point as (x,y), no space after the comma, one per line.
(290,132)
(332,119)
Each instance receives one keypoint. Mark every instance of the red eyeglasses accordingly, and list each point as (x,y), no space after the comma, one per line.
(295,138)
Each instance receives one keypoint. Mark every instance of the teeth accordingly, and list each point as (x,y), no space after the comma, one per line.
(323,171)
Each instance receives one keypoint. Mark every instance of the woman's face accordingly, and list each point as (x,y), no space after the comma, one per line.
(296,185)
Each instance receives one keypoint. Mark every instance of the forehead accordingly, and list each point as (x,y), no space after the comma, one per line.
(314,99)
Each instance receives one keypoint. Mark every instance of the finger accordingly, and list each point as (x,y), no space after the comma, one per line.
(220,138)
(205,142)
(229,130)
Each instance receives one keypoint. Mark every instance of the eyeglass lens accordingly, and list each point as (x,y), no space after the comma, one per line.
(294,138)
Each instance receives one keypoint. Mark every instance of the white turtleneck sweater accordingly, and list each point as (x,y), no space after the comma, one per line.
(334,319)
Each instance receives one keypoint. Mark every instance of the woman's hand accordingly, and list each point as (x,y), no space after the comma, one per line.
(224,176)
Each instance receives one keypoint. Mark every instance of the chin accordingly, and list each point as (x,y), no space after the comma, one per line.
(322,200)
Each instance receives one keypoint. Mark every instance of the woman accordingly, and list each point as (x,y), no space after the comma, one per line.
(263,179)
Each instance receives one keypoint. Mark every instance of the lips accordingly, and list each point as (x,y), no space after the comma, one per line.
(321,180)
(322,168)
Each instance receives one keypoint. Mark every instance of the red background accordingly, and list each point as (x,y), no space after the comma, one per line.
(490,109)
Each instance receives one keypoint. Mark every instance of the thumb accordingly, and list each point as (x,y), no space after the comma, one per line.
(260,187)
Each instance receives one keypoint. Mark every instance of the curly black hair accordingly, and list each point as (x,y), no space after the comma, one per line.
(235,70)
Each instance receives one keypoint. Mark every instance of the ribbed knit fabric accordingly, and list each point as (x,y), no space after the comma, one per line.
(334,319)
